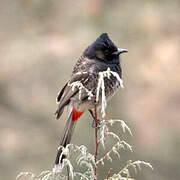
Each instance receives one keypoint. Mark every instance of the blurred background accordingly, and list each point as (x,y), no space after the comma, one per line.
(41,41)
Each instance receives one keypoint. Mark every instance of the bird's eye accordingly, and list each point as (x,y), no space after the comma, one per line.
(106,52)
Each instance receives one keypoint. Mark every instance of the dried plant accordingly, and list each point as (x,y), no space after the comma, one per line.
(101,87)
(83,158)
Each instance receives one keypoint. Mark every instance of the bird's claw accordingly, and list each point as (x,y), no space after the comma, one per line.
(96,123)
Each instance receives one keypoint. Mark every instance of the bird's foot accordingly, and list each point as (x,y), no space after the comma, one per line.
(96,123)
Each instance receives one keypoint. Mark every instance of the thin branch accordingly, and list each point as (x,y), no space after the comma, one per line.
(96,141)
(68,173)
(109,173)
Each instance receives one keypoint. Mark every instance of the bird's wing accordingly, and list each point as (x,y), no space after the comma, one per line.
(67,92)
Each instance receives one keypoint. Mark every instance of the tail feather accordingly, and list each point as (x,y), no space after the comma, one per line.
(68,131)
(67,135)
(59,112)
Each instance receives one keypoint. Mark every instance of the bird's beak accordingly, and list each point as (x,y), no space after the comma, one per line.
(122,50)
(119,51)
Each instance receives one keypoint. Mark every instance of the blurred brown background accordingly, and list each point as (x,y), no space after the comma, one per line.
(40,41)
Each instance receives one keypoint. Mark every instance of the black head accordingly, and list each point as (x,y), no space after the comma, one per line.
(104,49)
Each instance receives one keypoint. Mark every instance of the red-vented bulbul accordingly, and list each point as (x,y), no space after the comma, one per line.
(96,58)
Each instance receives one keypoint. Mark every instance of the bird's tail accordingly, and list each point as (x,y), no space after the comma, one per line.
(67,135)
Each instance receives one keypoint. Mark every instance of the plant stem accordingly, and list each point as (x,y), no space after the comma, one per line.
(96,141)
(109,173)
(68,173)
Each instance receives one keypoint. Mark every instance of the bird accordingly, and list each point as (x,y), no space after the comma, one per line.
(97,57)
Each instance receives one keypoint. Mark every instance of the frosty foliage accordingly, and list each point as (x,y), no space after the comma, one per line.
(101,87)
(79,156)
(80,86)
(124,174)
(79,163)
